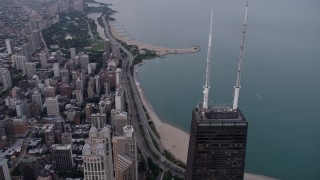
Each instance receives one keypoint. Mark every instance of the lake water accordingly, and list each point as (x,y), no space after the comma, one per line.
(280,91)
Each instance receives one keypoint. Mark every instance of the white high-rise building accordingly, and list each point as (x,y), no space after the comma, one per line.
(119,98)
(36,98)
(97,83)
(56,70)
(31,69)
(4,170)
(118,76)
(5,78)
(97,155)
(125,155)
(52,106)
(10,47)
(73,53)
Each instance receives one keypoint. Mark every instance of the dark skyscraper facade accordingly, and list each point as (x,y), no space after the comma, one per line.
(217,145)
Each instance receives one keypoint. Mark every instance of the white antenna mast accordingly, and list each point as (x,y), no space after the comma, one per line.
(206,86)
(238,86)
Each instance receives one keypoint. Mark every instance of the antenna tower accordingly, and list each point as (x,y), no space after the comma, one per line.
(207,86)
(238,86)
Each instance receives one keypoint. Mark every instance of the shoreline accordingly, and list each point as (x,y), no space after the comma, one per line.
(160,51)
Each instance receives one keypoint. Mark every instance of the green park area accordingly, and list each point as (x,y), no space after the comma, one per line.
(95,45)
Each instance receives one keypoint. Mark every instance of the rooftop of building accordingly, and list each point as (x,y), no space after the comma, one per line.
(61,146)
(218,113)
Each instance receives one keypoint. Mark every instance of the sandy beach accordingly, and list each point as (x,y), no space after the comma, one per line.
(161,51)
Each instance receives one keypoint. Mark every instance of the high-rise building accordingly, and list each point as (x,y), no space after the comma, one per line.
(65,90)
(4,170)
(48,131)
(79,96)
(28,28)
(62,157)
(119,120)
(20,62)
(217,145)
(97,83)
(21,108)
(119,98)
(36,98)
(5,78)
(31,69)
(64,73)
(36,34)
(30,168)
(88,111)
(15,92)
(218,135)
(90,88)
(73,53)
(59,56)
(97,154)
(125,155)
(107,46)
(118,77)
(52,106)
(79,84)
(9,45)
(78,5)
(104,60)
(43,60)
(27,51)
(84,61)
(102,107)
(56,70)
(32,41)
(66,138)
(98,120)
(77,61)
(106,87)
(49,91)
(16,127)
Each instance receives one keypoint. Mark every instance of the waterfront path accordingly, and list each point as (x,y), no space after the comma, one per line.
(160,51)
